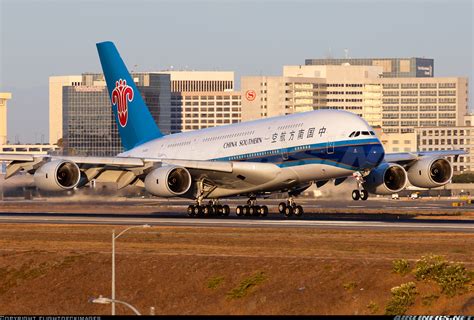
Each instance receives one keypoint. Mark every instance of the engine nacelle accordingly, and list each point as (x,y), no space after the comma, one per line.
(387,178)
(168,181)
(430,172)
(57,175)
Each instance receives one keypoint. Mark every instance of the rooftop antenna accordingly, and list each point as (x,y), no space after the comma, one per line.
(329,53)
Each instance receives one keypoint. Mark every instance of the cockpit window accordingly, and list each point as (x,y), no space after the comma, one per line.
(372,133)
(352,134)
(365,133)
(357,134)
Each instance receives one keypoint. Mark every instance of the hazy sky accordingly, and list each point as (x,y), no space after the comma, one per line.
(44,38)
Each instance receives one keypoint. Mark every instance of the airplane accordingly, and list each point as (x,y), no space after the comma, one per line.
(284,154)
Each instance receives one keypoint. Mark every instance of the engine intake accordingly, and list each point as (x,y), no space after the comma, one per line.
(57,175)
(168,181)
(430,172)
(385,179)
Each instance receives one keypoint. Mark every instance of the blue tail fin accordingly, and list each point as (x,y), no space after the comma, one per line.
(134,121)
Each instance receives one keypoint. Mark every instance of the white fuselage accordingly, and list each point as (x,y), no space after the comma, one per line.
(309,143)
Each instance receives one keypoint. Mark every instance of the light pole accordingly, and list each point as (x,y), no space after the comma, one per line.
(113,262)
(103,300)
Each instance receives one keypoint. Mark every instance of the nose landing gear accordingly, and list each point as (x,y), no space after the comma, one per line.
(360,192)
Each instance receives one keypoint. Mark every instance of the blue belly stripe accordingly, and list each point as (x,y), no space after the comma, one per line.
(349,154)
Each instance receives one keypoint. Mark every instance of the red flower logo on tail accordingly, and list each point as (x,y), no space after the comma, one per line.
(121,95)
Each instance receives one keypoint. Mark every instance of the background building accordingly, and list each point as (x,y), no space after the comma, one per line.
(28,148)
(56,85)
(202,99)
(199,110)
(275,96)
(4,97)
(469,119)
(391,67)
(200,81)
(351,88)
(399,142)
(423,102)
(89,127)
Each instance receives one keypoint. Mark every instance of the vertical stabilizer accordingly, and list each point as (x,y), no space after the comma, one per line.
(134,121)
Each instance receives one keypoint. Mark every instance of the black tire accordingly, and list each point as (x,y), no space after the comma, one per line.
(198,211)
(263,211)
(225,210)
(191,211)
(364,195)
(256,211)
(239,211)
(251,210)
(281,207)
(355,195)
(207,210)
(217,210)
(298,211)
(247,210)
(288,211)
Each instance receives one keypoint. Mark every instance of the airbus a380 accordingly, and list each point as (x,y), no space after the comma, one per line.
(251,159)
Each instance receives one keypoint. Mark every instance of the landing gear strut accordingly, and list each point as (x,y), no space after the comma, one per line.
(289,208)
(251,209)
(360,192)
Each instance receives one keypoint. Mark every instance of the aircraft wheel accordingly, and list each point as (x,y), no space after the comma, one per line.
(281,207)
(364,195)
(191,211)
(255,211)
(263,211)
(288,211)
(207,210)
(225,210)
(197,211)
(298,211)
(239,211)
(355,195)
(247,210)
(217,210)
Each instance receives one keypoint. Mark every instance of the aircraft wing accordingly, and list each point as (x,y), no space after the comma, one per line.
(126,171)
(405,157)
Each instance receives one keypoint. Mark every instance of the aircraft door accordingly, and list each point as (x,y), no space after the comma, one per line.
(330,145)
(284,146)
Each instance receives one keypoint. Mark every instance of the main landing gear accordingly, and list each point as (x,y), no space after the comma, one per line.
(289,208)
(211,209)
(251,209)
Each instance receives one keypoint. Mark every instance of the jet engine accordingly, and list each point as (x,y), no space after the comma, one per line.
(168,181)
(430,172)
(387,178)
(57,175)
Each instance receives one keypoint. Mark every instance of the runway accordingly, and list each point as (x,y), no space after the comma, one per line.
(234,222)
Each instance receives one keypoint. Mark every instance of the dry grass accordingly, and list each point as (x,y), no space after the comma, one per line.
(188,270)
